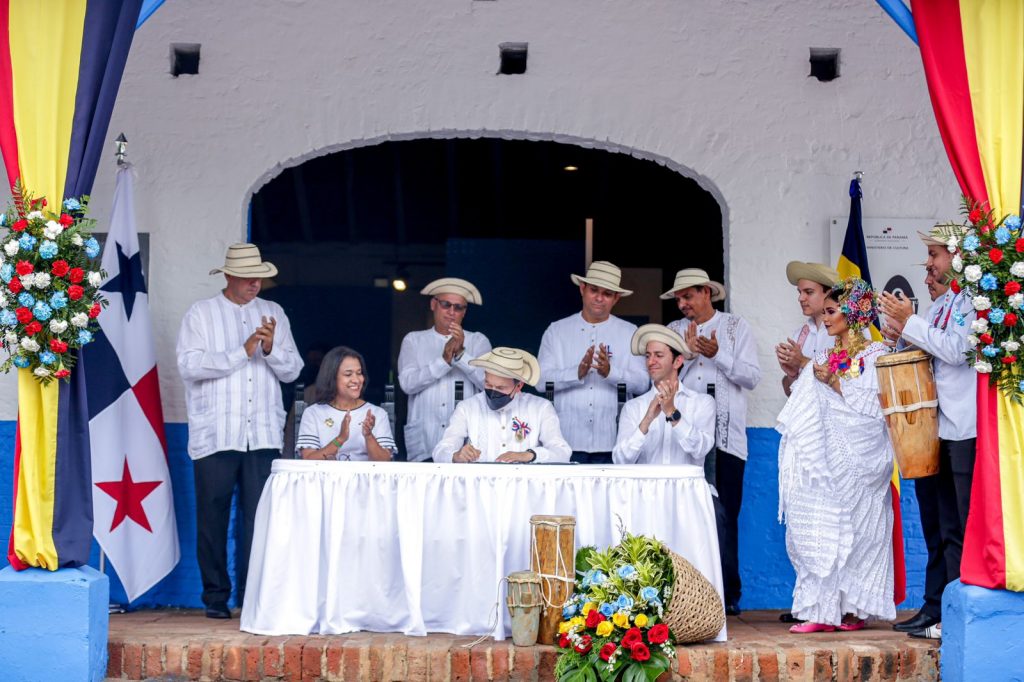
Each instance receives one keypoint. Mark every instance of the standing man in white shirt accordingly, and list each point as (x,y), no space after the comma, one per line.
(432,361)
(503,424)
(234,351)
(585,356)
(812,281)
(669,424)
(727,358)
(944,498)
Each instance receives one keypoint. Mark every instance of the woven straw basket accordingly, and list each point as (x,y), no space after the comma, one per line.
(695,612)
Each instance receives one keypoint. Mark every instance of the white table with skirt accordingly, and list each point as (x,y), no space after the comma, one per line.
(415,548)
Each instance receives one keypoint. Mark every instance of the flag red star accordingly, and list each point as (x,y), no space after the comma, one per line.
(129,496)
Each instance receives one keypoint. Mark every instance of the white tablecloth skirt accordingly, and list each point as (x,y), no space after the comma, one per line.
(417,548)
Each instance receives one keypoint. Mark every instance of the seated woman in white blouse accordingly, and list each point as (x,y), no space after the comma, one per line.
(341,425)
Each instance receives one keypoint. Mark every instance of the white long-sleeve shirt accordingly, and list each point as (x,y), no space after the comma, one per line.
(815,338)
(942,333)
(687,442)
(527,423)
(587,407)
(734,370)
(233,400)
(429,382)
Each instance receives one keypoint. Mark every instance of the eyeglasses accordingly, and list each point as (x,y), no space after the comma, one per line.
(448,305)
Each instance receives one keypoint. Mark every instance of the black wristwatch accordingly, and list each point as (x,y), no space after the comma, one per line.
(534,456)
(676,416)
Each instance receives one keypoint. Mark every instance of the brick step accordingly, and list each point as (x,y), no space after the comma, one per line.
(177,645)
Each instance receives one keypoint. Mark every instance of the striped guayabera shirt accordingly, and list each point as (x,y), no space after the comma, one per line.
(233,400)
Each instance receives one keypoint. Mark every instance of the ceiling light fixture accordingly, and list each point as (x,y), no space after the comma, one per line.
(571,169)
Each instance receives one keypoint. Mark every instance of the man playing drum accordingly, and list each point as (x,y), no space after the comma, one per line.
(943,498)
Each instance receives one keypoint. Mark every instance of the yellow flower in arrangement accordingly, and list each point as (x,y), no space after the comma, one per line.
(640,620)
(604,628)
(578,621)
(588,607)
(620,619)
(564,627)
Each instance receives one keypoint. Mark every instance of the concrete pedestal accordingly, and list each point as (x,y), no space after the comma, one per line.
(53,624)
(982,634)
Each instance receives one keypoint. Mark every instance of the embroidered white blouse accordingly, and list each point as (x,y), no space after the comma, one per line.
(321,424)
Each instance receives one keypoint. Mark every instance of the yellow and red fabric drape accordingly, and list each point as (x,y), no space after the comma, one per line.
(973,55)
(61,63)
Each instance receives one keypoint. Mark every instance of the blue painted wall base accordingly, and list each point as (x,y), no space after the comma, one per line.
(982,634)
(53,624)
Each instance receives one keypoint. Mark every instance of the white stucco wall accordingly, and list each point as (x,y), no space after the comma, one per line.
(717,90)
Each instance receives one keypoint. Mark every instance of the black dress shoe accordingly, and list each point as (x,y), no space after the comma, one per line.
(919,622)
(218,610)
(732,609)
(789,618)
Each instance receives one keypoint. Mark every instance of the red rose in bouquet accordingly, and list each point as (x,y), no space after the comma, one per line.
(640,652)
(76,275)
(594,618)
(15,285)
(632,637)
(607,650)
(975,215)
(23,267)
(61,373)
(1010,319)
(75,292)
(1011,287)
(24,315)
(33,328)
(584,646)
(658,634)
(94,311)
(20,225)
(986,338)
(58,346)
(995,255)
(1009,359)
(59,268)
(983,314)
(65,219)
(563,641)
(955,286)
(1019,245)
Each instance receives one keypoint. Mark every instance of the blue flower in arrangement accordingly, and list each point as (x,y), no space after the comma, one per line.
(84,337)
(26,299)
(27,242)
(72,205)
(59,300)
(568,611)
(3,219)
(971,242)
(21,361)
(6,272)
(627,571)
(607,610)
(8,318)
(598,578)
(1012,222)
(996,315)
(624,602)
(649,593)
(41,311)
(990,351)
(989,282)
(1021,385)
(92,247)
(1002,235)
(47,357)
(48,249)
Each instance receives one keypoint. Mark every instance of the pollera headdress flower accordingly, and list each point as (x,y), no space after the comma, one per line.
(857,301)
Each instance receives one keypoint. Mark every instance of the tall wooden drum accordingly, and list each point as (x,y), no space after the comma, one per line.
(553,558)
(906,390)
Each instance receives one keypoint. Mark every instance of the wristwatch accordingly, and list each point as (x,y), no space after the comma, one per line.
(534,456)
(459,355)
(676,416)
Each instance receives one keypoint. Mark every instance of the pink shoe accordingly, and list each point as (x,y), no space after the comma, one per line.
(855,625)
(805,628)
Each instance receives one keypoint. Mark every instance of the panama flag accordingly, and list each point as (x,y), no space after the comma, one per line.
(133,505)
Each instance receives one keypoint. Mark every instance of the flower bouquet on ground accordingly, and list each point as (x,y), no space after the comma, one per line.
(49,296)
(988,264)
(613,627)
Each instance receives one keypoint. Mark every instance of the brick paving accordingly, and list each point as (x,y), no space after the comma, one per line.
(173,645)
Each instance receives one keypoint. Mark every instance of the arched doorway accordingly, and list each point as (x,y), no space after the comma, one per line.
(508,214)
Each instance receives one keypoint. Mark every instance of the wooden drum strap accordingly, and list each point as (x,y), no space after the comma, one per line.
(559,564)
(895,407)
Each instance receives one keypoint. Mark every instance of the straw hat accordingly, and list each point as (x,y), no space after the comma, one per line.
(244,260)
(454,285)
(693,277)
(930,239)
(656,332)
(816,272)
(510,362)
(602,274)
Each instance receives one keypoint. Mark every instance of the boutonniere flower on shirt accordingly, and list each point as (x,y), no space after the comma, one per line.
(520,428)
(840,364)
(329,422)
